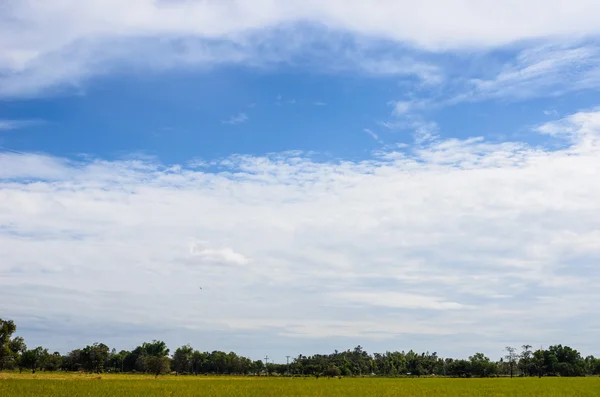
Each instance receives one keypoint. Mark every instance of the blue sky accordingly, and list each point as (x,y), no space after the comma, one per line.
(331,174)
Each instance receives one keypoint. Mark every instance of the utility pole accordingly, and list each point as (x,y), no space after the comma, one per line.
(288,364)
(266,362)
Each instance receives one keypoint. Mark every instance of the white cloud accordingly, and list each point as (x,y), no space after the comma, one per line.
(239,118)
(529,72)
(402,107)
(544,71)
(226,256)
(408,107)
(407,117)
(6,125)
(296,247)
(372,134)
(397,300)
(61,43)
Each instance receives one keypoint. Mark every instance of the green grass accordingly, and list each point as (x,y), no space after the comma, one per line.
(12,385)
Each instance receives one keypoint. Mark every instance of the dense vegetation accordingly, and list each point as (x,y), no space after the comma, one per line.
(153,358)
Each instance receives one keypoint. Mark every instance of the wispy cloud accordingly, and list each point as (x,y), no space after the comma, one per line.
(319,103)
(372,134)
(461,224)
(535,72)
(239,118)
(281,101)
(407,116)
(6,125)
(539,72)
(401,108)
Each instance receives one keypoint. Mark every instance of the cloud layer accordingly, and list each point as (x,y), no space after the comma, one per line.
(451,237)
(61,43)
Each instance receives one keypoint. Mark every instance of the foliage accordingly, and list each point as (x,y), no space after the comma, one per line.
(7,328)
(93,358)
(182,359)
(158,365)
(34,359)
(153,358)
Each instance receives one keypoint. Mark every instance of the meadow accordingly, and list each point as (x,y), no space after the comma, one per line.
(56,384)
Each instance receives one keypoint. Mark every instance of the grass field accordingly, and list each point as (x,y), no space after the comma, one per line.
(12,385)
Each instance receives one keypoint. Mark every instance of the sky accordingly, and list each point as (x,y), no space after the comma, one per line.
(284,177)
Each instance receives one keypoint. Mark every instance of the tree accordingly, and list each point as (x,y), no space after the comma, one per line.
(153,357)
(72,361)
(33,359)
(182,359)
(567,361)
(511,356)
(156,349)
(537,362)
(481,365)
(332,371)
(257,367)
(525,360)
(116,361)
(95,357)
(7,328)
(158,365)
(218,361)
(199,361)
(459,368)
(17,347)
(271,368)
(52,362)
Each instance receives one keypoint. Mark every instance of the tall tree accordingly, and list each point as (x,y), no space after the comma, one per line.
(481,365)
(511,357)
(52,362)
(158,365)
(7,328)
(34,359)
(17,346)
(525,359)
(157,348)
(95,357)
(156,359)
(182,359)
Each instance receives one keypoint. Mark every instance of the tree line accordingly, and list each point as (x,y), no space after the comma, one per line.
(155,358)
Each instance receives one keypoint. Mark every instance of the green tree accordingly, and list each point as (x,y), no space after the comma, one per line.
(333,371)
(511,357)
(17,347)
(154,357)
(182,359)
(481,365)
(33,359)
(525,360)
(7,328)
(156,349)
(95,357)
(592,365)
(567,361)
(459,368)
(158,365)
(116,361)
(72,361)
(199,362)
(257,367)
(52,362)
